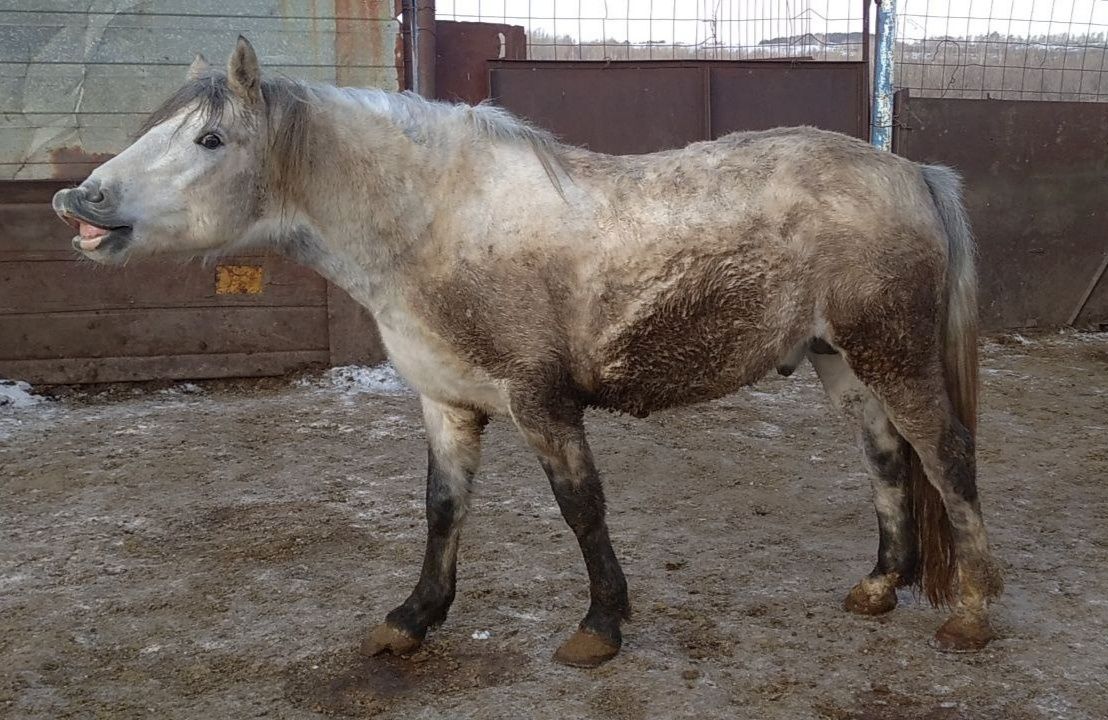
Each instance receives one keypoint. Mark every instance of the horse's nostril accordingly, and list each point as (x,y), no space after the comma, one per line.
(93,192)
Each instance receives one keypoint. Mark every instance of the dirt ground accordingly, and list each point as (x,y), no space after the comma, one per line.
(218,550)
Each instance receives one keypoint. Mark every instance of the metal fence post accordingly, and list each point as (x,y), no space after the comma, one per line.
(424,75)
(885,40)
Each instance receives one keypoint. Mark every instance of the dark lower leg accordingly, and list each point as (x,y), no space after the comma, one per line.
(553,426)
(885,457)
(897,553)
(429,602)
(978,578)
(946,451)
(454,438)
(581,500)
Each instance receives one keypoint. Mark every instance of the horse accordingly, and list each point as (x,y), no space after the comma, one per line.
(516,276)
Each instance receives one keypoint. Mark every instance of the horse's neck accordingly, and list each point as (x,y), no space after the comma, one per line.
(389,183)
(360,213)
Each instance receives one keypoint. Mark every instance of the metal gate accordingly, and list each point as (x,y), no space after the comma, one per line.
(641,106)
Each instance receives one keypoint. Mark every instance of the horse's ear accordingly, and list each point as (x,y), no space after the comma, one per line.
(243,74)
(199,68)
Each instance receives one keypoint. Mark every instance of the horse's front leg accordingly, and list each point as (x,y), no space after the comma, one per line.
(454,451)
(558,437)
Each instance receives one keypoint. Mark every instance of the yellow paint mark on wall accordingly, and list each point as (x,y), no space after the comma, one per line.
(238,280)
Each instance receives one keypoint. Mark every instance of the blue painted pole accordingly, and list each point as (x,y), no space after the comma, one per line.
(881,134)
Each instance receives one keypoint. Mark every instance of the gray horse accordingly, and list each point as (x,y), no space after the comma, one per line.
(513,275)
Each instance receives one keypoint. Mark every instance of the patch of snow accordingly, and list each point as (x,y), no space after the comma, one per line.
(183,389)
(359,380)
(515,614)
(7,581)
(136,429)
(1069,336)
(765,430)
(16,393)
(481,634)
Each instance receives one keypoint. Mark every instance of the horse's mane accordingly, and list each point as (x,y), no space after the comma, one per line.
(289,103)
(487,121)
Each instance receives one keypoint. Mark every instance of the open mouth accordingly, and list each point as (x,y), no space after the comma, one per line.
(91,237)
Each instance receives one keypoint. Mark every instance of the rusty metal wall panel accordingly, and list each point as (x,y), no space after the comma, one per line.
(636,107)
(1036,178)
(764,95)
(463,51)
(76,82)
(618,108)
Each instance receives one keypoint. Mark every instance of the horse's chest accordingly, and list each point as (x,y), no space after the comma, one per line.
(440,373)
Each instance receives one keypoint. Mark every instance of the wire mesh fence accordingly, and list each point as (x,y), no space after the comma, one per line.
(1016,50)
(1008,49)
(675,29)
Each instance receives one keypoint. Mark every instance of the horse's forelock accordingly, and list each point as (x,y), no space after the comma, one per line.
(206,95)
(287,106)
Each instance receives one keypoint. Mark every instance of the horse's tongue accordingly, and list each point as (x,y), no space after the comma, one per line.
(90,235)
(89,232)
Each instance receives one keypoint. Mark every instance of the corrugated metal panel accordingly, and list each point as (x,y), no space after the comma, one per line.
(78,77)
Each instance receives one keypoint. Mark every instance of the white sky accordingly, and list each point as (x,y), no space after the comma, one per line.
(746,22)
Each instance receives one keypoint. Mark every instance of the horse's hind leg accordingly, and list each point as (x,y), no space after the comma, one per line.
(912,389)
(885,457)
(946,451)
(454,450)
(555,431)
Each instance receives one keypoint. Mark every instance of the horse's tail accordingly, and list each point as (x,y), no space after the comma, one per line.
(937,571)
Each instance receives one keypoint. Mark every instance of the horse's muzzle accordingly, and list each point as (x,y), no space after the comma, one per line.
(92,213)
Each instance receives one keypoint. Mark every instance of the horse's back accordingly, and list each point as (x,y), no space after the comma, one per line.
(713,296)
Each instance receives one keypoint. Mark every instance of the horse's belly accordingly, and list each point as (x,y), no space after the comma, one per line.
(704,335)
(681,375)
(440,374)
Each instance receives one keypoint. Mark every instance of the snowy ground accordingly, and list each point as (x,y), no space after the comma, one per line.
(17,394)
(216,550)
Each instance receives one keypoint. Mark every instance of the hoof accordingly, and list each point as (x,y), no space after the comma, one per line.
(960,634)
(585,650)
(386,638)
(870,601)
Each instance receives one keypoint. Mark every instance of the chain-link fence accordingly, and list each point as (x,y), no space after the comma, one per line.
(1016,50)
(1010,49)
(675,29)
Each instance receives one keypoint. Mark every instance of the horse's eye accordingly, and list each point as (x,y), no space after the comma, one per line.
(209,140)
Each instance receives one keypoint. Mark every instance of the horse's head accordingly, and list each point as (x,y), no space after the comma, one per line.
(193,180)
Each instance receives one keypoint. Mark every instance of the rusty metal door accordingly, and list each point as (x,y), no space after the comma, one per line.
(637,107)
(1036,178)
